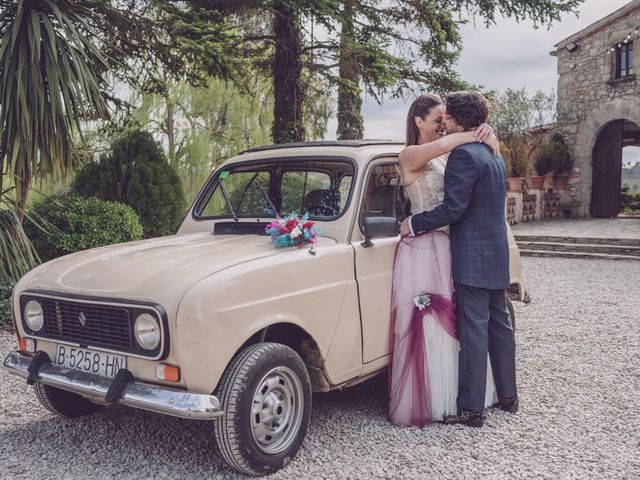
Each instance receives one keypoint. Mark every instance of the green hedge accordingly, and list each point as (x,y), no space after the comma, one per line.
(6,287)
(136,172)
(81,223)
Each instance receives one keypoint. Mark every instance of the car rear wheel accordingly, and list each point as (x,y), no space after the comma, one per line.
(63,403)
(266,395)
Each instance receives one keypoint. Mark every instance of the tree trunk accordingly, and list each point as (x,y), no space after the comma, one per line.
(167,124)
(170,126)
(287,71)
(350,122)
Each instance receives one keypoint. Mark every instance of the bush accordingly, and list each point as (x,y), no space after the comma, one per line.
(136,172)
(505,151)
(553,156)
(515,156)
(82,223)
(6,287)
(630,202)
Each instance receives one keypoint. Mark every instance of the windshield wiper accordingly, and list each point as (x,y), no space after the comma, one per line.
(275,210)
(226,199)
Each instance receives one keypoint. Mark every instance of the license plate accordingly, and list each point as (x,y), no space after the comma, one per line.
(90,361)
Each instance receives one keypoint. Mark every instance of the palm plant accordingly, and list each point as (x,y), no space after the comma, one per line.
(17,255)
(50,80)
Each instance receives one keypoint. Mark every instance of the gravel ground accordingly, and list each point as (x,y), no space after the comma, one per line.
(579,378)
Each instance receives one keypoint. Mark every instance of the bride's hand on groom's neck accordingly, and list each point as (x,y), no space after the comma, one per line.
(485,134)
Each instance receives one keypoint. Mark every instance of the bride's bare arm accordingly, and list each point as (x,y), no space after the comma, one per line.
(415,157)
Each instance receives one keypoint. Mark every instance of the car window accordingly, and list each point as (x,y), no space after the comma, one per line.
(321,188)
(245,193)
(384,194)
(297,184)
(344,188)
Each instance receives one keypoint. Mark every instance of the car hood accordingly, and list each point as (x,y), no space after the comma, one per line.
(149,269)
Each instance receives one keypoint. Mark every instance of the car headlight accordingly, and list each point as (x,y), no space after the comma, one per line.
(147,331)
(33,315)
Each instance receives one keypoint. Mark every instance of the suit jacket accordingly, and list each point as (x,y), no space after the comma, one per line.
(475,187)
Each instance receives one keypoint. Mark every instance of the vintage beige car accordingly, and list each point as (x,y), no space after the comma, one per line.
(215,323)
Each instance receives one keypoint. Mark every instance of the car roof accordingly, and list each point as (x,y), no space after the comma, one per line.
(359,150)
(325,143)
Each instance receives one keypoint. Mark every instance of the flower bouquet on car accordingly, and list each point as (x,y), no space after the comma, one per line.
(292,231)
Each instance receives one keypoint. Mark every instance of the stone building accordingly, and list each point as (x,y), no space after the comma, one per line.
(599,108)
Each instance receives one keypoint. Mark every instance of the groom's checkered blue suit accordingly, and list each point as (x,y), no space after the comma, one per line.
(474,207)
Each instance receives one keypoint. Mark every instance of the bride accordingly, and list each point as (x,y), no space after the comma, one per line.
(423,373)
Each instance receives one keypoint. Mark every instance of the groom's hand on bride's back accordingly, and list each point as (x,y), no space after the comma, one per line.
(404,227)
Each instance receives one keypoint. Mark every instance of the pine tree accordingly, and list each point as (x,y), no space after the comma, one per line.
(400,46)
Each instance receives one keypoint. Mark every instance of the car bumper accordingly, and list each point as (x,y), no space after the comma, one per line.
(135,394)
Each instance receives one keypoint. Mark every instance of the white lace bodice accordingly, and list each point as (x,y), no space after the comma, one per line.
(427,191)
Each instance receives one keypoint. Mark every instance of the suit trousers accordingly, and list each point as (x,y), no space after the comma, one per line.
(483,326)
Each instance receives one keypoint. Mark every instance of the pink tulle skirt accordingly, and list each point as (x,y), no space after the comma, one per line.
(423,371)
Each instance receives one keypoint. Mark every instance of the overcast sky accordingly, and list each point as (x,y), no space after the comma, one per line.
(506,55)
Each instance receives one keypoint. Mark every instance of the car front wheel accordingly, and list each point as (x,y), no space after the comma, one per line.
(63,403)
(266,395)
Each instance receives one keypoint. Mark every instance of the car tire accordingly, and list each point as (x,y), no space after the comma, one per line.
(512,314)
(63,403)
(266,396)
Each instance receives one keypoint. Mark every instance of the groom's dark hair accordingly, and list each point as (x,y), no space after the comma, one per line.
(469,108)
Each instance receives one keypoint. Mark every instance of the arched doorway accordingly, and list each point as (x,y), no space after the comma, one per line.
(607,166)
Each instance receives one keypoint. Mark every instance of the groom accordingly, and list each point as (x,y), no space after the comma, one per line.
(474,207)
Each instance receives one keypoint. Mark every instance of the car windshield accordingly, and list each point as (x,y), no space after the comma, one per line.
(320,188)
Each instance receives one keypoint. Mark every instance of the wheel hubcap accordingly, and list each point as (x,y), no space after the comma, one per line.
(277,410)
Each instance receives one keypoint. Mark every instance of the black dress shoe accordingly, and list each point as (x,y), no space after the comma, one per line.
(469,418)
(508,404)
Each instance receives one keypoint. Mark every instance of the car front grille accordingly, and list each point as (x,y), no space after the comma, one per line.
(88,324)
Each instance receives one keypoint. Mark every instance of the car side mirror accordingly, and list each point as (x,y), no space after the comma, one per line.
(379,227)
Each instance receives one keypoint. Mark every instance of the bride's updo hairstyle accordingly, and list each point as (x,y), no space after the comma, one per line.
(421,107)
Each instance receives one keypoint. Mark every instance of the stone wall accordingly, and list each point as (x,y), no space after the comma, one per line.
(534,205)
(589,98)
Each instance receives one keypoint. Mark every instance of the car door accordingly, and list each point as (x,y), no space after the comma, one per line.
(382,195)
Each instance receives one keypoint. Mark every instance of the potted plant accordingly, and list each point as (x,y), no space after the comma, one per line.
(537,181)
(515,156)
(553,156)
